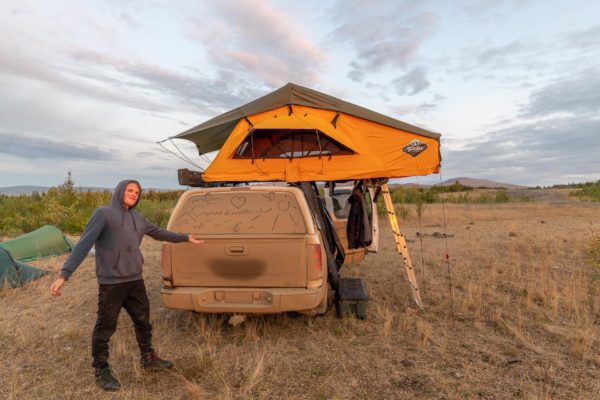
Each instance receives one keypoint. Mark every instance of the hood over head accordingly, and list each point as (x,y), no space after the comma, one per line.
(119,192)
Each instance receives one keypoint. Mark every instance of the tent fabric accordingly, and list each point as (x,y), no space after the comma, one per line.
(212,134)
(381,147)
(379,150)
(44,242)
(15,273)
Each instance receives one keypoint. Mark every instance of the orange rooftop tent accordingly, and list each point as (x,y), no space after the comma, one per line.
(298,134)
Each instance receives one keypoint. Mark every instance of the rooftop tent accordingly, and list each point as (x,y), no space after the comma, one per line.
(15,273)
(298,134)
(44,242)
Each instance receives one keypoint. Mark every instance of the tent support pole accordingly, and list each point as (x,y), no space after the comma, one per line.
(401,247)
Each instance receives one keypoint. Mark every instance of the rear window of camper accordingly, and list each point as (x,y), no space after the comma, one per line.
(241,212)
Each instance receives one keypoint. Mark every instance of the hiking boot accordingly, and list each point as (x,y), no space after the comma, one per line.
(153,361)
(105,379)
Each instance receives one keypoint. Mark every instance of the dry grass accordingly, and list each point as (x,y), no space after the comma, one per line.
(526,302)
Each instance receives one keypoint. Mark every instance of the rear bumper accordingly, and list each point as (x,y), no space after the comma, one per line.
(244,300)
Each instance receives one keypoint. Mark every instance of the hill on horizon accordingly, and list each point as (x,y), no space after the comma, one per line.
(29,189)
(479,183)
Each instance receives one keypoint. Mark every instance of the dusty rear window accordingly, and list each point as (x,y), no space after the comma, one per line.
(257,212)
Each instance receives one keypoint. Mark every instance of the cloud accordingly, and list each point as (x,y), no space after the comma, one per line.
(108,72)
(36,147)
(492,8)
(189,87)
(129,20)
(384,34)
(419,111)
(356,74)
(79,80)
(499,54)
(586,38)
(135,83)
(527,59)
(557,150)
(145,154)
(411,83)
(520,59)
(552,140)
(577,94)
(251,41)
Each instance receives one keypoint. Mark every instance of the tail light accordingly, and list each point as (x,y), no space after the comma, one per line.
(165,262)
(314,261)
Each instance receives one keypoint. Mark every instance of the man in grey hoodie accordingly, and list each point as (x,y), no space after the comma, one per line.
(117,231)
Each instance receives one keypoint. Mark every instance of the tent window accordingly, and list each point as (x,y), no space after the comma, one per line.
(289,143)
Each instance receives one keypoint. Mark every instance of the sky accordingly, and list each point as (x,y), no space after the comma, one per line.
(90,87)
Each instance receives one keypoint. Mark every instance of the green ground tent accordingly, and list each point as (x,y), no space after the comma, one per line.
(15,273)
(44,242)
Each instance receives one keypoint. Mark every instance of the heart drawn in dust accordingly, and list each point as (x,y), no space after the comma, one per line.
(238,201)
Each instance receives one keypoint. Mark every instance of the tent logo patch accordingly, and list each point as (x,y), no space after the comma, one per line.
(415,148)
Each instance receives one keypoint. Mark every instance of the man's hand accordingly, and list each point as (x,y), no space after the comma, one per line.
(56,285)
(192,239)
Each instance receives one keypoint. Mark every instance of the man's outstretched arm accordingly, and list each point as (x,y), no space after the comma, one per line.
(158,233)
(90,234)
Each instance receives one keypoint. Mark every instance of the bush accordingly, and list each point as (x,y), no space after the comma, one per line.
(420,196)
(588,191)
(594,251)
(69,209)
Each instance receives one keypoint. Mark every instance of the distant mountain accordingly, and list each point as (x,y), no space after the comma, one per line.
(410,184)
(19,190)
(28,190)
(478,183)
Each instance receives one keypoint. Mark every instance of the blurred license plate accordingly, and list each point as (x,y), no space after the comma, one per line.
(238,297)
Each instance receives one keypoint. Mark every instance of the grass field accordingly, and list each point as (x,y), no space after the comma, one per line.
(524,323)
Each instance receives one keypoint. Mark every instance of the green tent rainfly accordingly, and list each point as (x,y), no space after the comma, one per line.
(44,242)
(15,273)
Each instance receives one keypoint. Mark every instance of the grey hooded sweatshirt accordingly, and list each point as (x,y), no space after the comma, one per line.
(117,233)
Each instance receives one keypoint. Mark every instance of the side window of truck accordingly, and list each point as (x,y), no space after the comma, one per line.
(337,204)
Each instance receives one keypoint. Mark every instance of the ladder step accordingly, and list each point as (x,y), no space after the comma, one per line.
(401,247)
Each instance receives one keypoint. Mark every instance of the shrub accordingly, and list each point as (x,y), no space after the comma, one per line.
(588,191)
(69,209)
(594,251)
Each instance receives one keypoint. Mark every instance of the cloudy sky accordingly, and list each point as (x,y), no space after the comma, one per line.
(513,86)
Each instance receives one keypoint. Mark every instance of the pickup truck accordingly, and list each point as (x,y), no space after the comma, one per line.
(267,249)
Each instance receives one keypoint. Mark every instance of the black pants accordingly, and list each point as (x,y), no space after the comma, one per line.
(131,296)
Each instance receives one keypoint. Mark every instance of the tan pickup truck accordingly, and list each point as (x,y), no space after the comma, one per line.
(264,251)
